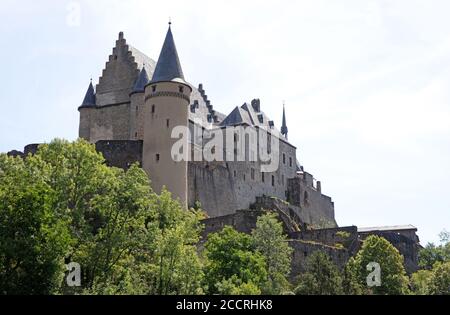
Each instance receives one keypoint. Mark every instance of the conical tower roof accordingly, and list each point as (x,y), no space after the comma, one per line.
(141,82)
(89,98)
(284,128)
(168,67)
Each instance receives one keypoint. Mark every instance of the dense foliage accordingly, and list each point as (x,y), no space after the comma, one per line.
(434,276)
(64,204)
(322,277)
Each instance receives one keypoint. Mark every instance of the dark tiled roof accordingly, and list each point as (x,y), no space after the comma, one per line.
(168,66)
(236,117)
(141,82)
(89,99)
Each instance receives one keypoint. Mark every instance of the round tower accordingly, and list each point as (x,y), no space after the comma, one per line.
(86,109)
(167,99)
(137,107)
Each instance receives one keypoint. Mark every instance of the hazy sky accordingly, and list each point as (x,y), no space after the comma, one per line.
(366,84)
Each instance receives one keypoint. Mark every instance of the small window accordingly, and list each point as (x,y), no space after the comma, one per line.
(181,89)
(290,162)
(244,177)
(284,158)
(235,174)
(135,134)
(252,173)
(153,109)
(305,254)
(157,157)
(153,88)
(115,57)
(282,179)
(167,123)
(273,180)
(262,177)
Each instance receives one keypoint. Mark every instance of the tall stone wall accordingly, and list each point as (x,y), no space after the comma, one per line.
(304,249)
(316,207)
(223,187)
(122,153)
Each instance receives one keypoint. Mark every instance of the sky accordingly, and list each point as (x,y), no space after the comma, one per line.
(366,84)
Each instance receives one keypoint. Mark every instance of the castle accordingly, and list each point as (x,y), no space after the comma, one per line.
(138,102)
(131,117)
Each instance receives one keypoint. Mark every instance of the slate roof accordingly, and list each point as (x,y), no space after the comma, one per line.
(143,60)
(141,82)
(168,66)
(284,128)
(237,117)
(89,98)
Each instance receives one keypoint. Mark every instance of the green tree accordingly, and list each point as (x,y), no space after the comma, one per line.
(393,276)
(420,282)
(270,241)
(350,281)
(65,203)
(33,238)
(322,277)
(232,255)
(431,253)
(177,268)
(235,286)
(440,281)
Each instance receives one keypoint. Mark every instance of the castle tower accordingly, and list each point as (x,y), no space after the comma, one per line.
(284,128)
(85,110)
(137,99)
(167,99)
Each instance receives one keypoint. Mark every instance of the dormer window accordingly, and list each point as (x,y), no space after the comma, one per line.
(153,88)
(261,118)
(181,89)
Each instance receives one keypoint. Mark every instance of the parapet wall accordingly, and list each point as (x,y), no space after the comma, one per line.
(121,153)
(316,207)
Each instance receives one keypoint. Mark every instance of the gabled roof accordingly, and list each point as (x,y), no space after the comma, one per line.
(236,117)
(89,98)
(168,66)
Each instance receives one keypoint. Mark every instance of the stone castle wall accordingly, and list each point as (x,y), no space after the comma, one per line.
(121,154)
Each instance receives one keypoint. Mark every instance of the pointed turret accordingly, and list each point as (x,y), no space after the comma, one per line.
(89,99)
(168,67)
(284,128)
(141,82)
